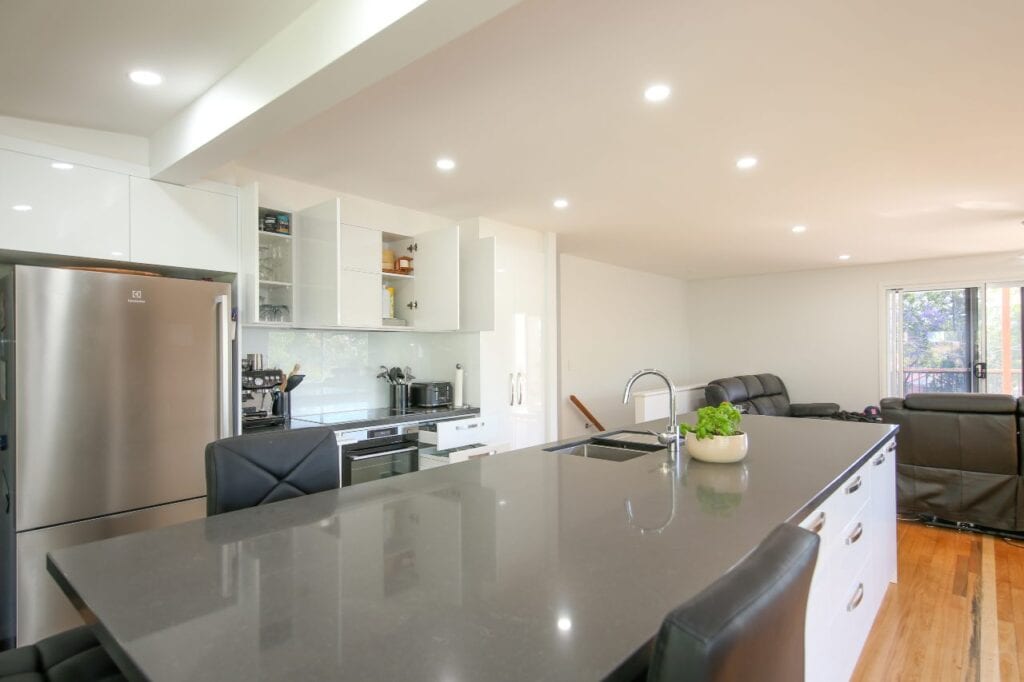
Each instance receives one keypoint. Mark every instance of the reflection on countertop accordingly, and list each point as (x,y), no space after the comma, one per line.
(517,566)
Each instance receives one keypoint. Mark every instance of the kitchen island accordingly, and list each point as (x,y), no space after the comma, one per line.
(523,565)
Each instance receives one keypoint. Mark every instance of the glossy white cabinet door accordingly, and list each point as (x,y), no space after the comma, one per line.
(79,211)
(360,248)
(183,227)
(316,274)
(361,301)
(512,356)
(436,264)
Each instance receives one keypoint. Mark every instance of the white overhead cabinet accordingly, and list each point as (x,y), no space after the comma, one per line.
(315,238)
(77,211)
(359,277)
(428,298)
(183,227)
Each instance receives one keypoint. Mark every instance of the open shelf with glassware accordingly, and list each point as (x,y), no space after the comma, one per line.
(275,281)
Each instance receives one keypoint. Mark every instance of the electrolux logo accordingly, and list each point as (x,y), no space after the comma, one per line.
(136,296)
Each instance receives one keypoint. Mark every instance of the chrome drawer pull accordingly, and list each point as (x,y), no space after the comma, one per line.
(855,535)
(819,524)
(469,426)
(858,597)
(880,460)
(854,486)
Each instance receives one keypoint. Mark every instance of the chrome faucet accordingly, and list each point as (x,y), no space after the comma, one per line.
(671,436)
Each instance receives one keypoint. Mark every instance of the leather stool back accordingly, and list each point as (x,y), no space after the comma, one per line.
(749,624)
(250,470)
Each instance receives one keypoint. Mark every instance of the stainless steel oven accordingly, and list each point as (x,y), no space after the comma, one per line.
(379,453)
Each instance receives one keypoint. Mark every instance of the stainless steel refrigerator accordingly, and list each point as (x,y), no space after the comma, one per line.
(111,385)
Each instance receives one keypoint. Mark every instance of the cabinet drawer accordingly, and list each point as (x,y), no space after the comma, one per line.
(835,513)
(455,433)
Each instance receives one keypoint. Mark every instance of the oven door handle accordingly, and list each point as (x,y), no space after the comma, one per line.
(356,458)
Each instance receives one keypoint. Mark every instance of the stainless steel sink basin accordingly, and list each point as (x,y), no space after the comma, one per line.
(598,451)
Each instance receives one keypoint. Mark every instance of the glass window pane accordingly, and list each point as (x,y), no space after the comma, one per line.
(1002,339)
(936,341)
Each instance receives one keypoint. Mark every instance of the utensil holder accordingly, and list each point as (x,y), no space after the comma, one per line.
(399,396)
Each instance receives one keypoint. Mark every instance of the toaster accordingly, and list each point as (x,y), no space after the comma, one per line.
(431,394)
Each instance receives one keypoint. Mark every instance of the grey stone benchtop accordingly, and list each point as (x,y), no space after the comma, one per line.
(519,566)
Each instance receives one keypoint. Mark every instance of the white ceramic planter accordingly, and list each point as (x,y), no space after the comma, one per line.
(718,449)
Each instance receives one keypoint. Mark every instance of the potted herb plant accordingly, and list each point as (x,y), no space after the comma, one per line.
(716,437)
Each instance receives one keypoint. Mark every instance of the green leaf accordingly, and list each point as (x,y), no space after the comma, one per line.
(714,421)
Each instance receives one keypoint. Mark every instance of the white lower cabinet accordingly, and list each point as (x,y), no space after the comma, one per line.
(183,227)
(856,561)
(53,207)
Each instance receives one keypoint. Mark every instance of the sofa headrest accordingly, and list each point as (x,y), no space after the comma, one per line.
(742,389)
(961,402)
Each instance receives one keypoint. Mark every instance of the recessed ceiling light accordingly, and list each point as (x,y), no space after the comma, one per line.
(116,253)
(657,93)
(62,165)
(143,77)
(445,164)
(564,623)
(844,256)
(746,162)
(560,203)
(21,207)
(799,228)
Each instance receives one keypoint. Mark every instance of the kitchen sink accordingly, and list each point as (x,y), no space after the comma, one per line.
(598,451)
(619,446)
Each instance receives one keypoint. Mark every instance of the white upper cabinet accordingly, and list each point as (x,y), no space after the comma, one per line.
(315,270)
(183,227)
(436,260)
(76,211)
(360,249)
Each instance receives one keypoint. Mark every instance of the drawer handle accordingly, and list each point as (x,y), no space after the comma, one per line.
(469,426)
(855,535)
(819,524)
(858,597)
(880,461)
(854,486)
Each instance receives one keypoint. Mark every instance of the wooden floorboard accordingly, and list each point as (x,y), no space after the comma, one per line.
(957,612)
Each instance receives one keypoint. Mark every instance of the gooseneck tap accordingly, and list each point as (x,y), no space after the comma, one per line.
(671,436)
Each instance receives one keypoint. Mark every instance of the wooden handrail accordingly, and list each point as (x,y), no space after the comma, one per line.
(585,412)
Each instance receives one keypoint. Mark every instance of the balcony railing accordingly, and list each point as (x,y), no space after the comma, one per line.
(956,380)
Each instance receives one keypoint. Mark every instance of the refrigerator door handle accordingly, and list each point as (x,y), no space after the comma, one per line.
(224,420)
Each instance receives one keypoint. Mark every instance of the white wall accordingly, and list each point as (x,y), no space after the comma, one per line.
(822,330)
(614,321)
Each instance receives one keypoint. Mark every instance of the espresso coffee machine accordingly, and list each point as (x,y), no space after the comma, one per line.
(260,389)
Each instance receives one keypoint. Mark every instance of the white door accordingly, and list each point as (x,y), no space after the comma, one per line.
(47,207)
(436,267)
(183,227)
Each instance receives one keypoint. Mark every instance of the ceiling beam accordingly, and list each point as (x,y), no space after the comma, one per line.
(332,51)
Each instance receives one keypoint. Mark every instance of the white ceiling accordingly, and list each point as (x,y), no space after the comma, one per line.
(893,130)
(67,61)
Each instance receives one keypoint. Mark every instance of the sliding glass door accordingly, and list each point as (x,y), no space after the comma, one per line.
(965,340)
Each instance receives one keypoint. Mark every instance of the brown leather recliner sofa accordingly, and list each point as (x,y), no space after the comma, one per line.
(958,457)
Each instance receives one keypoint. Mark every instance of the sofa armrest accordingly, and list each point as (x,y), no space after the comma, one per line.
(813,409)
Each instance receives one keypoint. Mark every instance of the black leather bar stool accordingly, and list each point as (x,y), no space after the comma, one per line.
(749,624)
(71,656)
(250,470)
